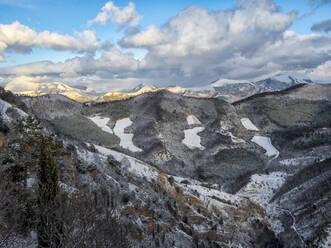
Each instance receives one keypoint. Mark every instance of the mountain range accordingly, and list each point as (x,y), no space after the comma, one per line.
(181,171)
(229,90)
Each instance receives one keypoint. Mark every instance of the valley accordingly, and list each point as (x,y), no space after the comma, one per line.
(183,171)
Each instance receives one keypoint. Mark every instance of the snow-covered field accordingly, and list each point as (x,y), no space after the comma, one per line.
(102,123)
(265,143)
(126,138)
(248,124)
(192,139)
(193,120)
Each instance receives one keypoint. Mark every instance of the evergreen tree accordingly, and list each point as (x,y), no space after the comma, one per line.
(47,174)
(49,228)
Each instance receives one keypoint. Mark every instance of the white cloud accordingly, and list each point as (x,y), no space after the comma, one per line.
(123,16)
(19,38)
(110,62)
(151,37)
(248,42)
(322,73)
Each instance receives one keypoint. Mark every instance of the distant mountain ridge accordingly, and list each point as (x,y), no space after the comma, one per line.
(39,89)
(228,90)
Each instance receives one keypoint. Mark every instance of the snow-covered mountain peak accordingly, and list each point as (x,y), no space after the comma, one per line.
(142,88)
(224,82)
(290,78)
(175,89)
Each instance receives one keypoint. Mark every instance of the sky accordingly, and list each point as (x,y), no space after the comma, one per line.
(108,45)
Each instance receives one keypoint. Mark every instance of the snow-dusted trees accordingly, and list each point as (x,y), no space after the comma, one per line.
(34,210)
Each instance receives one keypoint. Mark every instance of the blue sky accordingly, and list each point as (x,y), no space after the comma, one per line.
(66,17)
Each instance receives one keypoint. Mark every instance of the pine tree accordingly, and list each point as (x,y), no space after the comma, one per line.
(49,229)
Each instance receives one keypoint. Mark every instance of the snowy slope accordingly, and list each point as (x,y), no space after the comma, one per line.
(290,78)
(260,190)
(212,200)
(4,106)
(135,166)
(141,88)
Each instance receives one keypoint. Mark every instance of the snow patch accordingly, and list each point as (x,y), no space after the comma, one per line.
(102,123)
(193,120)
(265,143)
(192,139)
(248,124)
(125,138)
